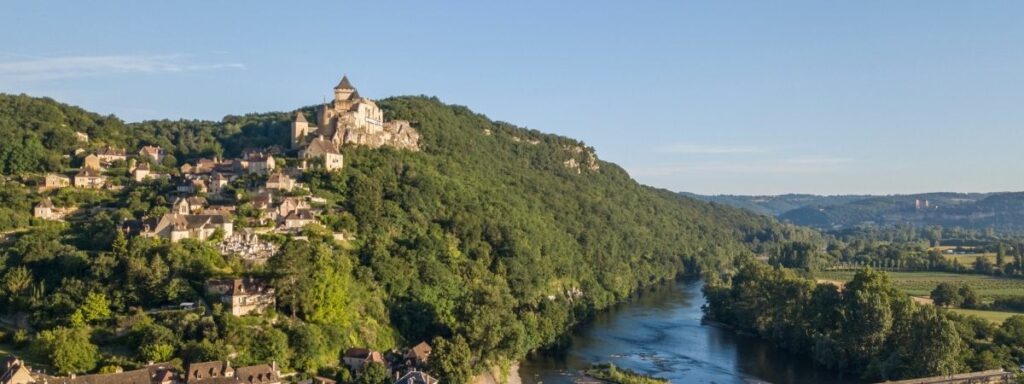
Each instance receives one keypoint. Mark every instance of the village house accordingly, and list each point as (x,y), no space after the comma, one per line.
(281,182)
(82,136)
(141,172)
(259,162)
(176,226)
(91,162)
(419,354)
(217,182)
(416,377)
(262,200)
(89,178)
(54,181)
(357,358)
(352,119)
(325,151)
(154,153)
(243,296)
(298,218)
(109,155)
(221,372)
(47,211)
(289,205)
(152,374)
(189,205)
(14,371)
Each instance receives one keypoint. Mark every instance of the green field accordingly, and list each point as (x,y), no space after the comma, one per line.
(993,316)
(967,260)
(922,283)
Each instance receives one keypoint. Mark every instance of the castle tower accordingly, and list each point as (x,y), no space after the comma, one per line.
(343,92)
(300,128)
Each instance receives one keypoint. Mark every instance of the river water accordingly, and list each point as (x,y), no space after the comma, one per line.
(659,333)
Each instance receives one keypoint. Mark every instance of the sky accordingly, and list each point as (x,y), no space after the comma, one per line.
(715,97)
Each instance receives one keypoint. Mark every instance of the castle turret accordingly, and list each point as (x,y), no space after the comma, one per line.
(300,128)
(344,89)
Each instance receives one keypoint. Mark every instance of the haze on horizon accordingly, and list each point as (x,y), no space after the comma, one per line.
(741,97)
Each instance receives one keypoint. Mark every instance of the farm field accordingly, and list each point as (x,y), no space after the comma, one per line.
(993,316)
(922,283)
(967,260)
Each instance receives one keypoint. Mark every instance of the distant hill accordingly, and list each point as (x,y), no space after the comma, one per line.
(1003,212)
(779,204)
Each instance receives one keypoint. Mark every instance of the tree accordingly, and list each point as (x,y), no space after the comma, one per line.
(270,345)
(946,294)
(968,298)
(373,373)
(95,308)
(153,342)
(450,360)
(936,347)
(68,350)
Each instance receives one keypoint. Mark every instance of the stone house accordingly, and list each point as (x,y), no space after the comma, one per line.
(154,153)
(356,358)
(281,182)
(416,377)
(217,182)
(92,162)
(419,354)
(47,211)
(221,372)
(54,181)
(298,218)
(259,162)
(108,155)
(141,172)
(289,205)
(14,371)
(152,374)
(324,150)
(89,178)
(243,296)
(82,136)
(176,226)
(189,205)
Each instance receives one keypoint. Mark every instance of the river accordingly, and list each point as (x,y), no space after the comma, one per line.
(659,333)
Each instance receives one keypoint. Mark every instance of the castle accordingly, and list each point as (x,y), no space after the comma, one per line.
(349,119)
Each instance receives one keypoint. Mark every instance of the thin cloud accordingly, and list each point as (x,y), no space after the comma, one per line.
(704,149)
(798,165)
(80,66)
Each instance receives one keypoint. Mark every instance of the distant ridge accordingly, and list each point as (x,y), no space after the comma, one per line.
(1001,211)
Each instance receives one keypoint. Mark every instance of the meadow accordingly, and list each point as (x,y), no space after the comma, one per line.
(922,283)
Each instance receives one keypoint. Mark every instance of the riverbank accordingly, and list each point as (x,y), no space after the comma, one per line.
(497,375)
(659,333)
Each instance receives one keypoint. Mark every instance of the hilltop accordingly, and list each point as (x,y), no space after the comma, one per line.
(490,239)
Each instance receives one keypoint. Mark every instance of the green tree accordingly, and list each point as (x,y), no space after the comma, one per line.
(968,297)
(373,373)
(450,361)
(946,295)
(67,350)
(95,308)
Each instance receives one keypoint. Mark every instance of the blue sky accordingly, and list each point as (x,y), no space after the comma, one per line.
(746,97)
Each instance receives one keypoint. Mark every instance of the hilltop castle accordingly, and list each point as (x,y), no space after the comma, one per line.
(349,119)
